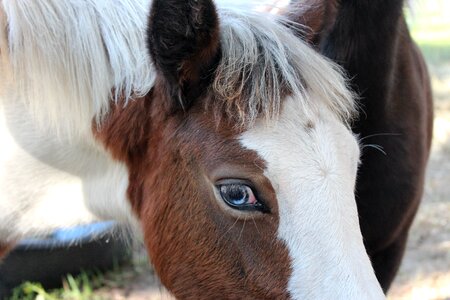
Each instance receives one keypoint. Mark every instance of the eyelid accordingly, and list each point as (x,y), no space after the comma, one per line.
(228,181)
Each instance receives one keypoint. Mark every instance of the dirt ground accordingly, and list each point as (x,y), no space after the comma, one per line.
(425,272)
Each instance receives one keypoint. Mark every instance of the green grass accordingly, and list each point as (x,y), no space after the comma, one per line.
(430,28)
(88,285)
(436,54)
(79,287)
(435,45)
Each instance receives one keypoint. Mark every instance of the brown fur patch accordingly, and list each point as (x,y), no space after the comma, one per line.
(199,250)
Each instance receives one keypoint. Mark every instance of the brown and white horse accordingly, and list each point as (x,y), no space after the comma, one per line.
(231,148)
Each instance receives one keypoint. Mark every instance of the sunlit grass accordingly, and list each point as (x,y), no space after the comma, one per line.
(80,287)
(92,284)
(430,28)
(83,286)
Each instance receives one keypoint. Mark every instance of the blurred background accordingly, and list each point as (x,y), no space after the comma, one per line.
(425,272)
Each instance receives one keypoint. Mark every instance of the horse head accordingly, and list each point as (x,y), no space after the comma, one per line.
(242,164)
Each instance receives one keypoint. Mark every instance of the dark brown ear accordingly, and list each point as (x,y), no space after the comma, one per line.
(183,39)
(317,17)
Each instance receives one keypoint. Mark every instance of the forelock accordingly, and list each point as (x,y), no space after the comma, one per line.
(263,61)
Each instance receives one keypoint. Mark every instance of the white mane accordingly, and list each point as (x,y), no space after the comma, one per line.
(68,59)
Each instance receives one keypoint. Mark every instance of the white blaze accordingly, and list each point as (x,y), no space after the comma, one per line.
(313,172)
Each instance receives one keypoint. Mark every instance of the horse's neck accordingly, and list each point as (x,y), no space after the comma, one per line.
(49,181)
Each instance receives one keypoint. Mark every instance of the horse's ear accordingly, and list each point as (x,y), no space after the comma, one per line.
(183,39)
(317,17)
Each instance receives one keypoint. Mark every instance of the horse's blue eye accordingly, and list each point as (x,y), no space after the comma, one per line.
(239,196)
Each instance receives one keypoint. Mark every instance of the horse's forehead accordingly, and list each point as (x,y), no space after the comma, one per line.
(312,164)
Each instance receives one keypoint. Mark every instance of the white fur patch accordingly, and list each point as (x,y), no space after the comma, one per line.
(48,182)
(313,172)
